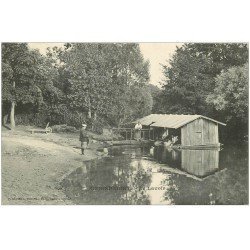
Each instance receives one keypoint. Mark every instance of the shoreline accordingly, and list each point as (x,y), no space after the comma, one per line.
(33,165)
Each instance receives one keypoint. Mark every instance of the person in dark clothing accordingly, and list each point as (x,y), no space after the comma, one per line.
(84,138)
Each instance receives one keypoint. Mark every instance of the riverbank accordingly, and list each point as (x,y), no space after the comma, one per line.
(34,164)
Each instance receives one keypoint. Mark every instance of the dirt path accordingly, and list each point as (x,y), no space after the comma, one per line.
(34,165)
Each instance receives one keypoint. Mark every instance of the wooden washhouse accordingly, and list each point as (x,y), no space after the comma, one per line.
(193,131)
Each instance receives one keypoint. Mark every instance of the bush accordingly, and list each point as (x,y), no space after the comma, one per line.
(63,128)
(40,120)
(98,124)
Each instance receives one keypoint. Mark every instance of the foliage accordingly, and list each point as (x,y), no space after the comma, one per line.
(93,83)
(191,75)
(155,93)
(27,78)
(102,78)
(108,84)
(63,128)
(21,66)
(231,92)
(230,97)
(192,80)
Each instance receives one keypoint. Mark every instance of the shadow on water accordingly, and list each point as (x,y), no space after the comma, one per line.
(134,175)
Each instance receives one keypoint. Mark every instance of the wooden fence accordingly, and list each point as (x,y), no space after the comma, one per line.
(128,133)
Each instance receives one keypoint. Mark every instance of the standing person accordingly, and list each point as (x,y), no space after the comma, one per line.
(84,138)
(164,136)
(175,140)
(138,128)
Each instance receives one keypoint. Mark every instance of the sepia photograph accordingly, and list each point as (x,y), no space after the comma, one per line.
(124,123)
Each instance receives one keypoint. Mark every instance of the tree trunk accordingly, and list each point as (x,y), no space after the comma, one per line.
(5,119)
(12,115)
(12,110)
(89,106)
(89,113)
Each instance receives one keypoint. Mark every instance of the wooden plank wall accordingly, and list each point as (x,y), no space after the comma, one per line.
(200,162)
(199,132)
(210,132)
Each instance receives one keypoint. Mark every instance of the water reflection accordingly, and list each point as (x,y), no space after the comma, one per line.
(200,163)
(112,180)
(132,175)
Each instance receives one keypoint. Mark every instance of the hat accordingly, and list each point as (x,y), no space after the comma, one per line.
(84,125)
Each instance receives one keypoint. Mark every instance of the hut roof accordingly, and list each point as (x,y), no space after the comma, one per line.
(171,121)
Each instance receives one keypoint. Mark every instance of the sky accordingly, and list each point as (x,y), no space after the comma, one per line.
(156,53)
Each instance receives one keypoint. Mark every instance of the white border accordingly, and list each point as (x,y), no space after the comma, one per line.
(112,227)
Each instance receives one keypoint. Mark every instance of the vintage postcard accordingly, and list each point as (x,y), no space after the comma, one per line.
(124,123)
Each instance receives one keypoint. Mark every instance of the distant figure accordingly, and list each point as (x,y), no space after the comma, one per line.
(164,136)
(151,151)
(174,155)
(138,128)
(84,138)
(105,150)
(168,143)
(133,155)
(174,139)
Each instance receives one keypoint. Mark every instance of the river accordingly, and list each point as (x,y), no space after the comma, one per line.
(143,176)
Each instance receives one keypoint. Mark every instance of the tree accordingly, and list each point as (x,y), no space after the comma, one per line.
(230,97)
(83,68)
(186,83)
(101,77)
(18,75)
(26,74)
(135,102)
(191,77)
(130,75)
(155,93)
(75,83)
